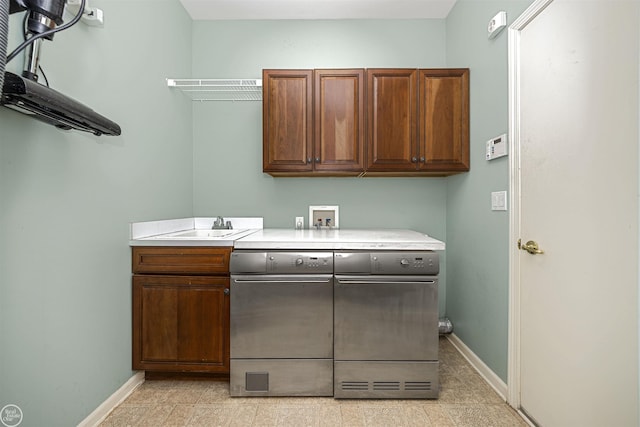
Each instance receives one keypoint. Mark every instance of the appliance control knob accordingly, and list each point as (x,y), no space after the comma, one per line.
(299,261)
(404,261)
(271,258)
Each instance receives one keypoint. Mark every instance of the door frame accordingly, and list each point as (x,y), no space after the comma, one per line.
(513,356)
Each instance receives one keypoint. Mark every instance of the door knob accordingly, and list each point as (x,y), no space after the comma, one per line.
(531,247)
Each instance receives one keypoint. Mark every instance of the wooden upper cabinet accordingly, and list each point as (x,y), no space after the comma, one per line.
(391,115)
(339,121)
(379,121)
(444,120)
(287,120)
(313,122)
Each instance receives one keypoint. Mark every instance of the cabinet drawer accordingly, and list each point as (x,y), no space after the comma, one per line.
(181,260)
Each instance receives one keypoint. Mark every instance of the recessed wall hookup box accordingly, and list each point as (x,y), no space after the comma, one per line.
(324,217)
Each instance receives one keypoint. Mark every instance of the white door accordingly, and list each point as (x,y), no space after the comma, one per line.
(576,138)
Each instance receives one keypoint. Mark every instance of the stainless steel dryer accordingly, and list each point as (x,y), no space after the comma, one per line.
(281,323)
(386,325)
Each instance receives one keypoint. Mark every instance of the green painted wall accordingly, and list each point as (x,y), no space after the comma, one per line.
(66,200)
(477,238)
(228,178)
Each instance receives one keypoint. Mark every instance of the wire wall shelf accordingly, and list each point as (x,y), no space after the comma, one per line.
(219,89)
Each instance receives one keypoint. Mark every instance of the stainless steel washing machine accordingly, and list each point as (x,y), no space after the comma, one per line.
(386,325)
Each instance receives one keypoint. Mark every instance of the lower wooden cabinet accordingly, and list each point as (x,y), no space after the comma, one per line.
(181,309)
(181,323)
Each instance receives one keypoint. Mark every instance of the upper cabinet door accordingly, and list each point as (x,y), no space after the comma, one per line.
(392,117)
(287,120)
(339,120)
(444,120)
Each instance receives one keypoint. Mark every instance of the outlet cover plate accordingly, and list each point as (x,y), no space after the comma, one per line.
(499,201)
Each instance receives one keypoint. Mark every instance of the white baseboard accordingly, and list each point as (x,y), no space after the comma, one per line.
(101,412)
(526,419)
(485,372)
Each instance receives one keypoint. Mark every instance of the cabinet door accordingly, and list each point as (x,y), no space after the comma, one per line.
(181,323)
(444,120)
(339,121)
(392,117)
(287,120)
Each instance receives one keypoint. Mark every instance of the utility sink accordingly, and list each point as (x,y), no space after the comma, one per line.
(204,234)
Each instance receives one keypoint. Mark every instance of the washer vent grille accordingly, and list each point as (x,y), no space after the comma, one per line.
(416,385)
(386,385)
(355,385)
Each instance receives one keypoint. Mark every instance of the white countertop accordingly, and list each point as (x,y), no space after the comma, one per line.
(161,233)
(249,234)
(341,239)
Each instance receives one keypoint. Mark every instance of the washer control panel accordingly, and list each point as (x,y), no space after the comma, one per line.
(299,262)
(398,262)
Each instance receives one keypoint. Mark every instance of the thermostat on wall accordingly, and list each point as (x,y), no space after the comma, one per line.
(497,147)
(497,23)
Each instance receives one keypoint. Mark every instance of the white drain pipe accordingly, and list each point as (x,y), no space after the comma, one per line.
(445,326)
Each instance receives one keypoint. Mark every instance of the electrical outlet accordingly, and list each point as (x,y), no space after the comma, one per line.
(299,224)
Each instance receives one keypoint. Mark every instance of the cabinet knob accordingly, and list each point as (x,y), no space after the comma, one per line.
(226,291)
(414,159)
(317,159)
(422,159)
(308,160)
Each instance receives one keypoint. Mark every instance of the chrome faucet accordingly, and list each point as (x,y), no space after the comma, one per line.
(220,224)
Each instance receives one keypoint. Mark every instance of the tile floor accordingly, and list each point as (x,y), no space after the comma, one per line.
(465,400)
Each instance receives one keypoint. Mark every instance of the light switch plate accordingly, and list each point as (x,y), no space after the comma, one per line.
(499,201)
(299,224)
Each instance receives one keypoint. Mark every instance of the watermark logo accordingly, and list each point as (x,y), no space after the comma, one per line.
(11,415)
